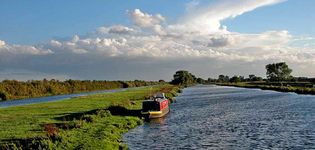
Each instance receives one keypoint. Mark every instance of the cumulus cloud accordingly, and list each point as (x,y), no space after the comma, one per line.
(6,49)
(2,43)
(221,41)
(150,43)
(145,20)
(116,29)
(209,17)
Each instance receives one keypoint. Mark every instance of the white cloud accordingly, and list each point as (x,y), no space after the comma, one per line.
(6,49)
(116,29)
(208,19)
(145,20)
(151,43)
(142,19)
(2,43)
(119,29)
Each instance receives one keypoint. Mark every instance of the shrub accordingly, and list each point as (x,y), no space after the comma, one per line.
(51,131)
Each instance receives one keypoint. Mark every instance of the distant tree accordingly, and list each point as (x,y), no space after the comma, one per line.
(258,79)
(242,78)
(253,77)
(183,77)
(161,81)
(200,81)
(223,78)
(236,79)
(278,72)
(210,80)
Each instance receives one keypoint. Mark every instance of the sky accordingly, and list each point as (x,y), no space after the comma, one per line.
(150,40)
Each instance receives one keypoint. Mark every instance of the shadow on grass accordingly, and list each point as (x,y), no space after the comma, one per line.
(122,111)
(114,110)
(26,143)
(68,123)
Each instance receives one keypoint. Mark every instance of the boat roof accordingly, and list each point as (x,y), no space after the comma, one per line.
(158,100)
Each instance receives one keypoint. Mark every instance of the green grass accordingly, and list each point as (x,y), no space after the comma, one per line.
(90,122)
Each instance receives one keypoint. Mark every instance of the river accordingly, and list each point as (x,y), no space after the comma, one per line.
(216,117)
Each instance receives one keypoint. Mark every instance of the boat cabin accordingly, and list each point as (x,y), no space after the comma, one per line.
(156,107)
(155,103)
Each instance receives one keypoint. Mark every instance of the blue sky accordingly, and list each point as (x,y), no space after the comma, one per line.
(296,16)
(141,39)
(34,21)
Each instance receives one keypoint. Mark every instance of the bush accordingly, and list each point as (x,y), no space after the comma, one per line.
(104,113)
(3,96)
(51,131)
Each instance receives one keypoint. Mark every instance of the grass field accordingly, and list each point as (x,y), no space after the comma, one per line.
(90,122)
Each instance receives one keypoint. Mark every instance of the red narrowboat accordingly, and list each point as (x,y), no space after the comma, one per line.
(156,107)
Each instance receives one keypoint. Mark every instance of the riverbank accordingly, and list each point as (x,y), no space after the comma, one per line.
(279,88)
(90,122)
(14,90)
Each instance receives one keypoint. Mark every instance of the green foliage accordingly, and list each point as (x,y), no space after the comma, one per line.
(183,77)
(253,77)
(12,89)
(278,72)
(300,88)
(3,96)
(223,78)
(235,79)
(200,81)
(78,123)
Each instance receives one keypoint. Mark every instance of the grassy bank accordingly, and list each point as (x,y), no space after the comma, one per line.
(12,89)
(91,122)
(299,88)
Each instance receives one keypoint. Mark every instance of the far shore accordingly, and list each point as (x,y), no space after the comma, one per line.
(280,87)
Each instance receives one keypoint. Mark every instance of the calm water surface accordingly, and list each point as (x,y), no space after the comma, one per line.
(212,117)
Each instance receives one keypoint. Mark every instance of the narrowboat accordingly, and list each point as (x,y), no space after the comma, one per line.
(156,107)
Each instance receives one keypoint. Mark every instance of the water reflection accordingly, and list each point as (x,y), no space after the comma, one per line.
(210,117)
(159,121)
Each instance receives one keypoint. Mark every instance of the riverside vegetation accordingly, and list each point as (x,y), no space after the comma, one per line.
(12,89)
(98,121)
(279,78)
(90,122)
(299,88)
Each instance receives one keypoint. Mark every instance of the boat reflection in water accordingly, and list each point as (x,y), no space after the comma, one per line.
(159,121)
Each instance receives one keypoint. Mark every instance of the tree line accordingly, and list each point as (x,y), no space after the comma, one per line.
(275,72)
(12,89)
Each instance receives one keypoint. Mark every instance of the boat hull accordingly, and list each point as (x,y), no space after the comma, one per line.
(159,114)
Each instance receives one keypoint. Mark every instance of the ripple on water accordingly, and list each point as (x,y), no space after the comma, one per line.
(212,117)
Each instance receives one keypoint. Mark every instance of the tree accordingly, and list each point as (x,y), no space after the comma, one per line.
(253,77)
(3,96)
(161,81)
(223,78)
(210,80)
(278,72)
(183,77)
(200,81)
(235,79)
